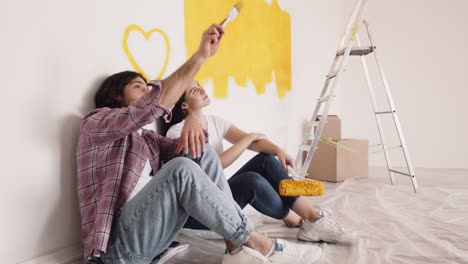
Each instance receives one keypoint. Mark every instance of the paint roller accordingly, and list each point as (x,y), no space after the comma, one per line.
(305,187)
(300,186)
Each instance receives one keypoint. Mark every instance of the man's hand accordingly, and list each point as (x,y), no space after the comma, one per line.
(285,160)
(192,138)
(210,39)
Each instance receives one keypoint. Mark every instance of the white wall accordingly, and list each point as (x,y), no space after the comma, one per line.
(55,53)
(422,45)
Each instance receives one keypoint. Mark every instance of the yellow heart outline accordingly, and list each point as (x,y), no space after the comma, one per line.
(147,35)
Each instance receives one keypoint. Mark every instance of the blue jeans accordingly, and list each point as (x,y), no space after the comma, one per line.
(146,225)
(257,184)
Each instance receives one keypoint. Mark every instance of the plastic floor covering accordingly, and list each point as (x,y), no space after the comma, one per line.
(395,224)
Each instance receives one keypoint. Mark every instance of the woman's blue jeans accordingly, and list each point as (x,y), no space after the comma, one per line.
(257,183)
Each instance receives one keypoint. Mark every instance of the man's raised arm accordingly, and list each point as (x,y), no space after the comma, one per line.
(177,82)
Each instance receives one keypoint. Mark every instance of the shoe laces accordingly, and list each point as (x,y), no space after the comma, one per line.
(287,248)
(339,228)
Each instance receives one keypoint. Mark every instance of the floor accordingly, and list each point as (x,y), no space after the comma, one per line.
(395,224)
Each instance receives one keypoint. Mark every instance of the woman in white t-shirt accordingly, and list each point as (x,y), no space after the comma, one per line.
(256,183)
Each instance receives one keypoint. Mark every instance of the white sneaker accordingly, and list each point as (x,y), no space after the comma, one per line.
(325,229)
(246,255)
(288,252)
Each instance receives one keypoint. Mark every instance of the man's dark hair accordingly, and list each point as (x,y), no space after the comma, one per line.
(113,87)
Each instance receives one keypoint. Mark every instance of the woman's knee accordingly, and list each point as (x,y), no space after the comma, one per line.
(273,170)
(249,180)
(268,158)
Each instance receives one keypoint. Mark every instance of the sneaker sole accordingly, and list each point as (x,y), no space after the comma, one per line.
(308,239)
(315,257)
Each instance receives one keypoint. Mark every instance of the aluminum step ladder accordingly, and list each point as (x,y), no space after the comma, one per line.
(351,46)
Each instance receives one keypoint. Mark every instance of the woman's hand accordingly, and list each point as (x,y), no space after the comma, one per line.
(285,160)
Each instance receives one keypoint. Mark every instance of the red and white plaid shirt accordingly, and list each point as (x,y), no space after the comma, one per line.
(111,155)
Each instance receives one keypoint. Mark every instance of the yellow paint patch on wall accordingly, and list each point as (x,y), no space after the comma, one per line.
(257,44)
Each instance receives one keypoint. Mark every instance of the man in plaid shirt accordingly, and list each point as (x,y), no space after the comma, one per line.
(135,194)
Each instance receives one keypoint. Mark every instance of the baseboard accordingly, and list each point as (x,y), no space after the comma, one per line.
(68,255)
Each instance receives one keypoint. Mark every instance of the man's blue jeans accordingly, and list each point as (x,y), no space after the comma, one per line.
(150,221)
(257,184)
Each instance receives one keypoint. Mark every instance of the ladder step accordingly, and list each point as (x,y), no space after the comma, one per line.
(357,51)
(385,112)
(402,173)
(333,75)
(295,173)
(313,124)
(323,99)
(306,147)
(386,149)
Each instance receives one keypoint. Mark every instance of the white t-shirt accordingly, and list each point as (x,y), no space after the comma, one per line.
(217,129)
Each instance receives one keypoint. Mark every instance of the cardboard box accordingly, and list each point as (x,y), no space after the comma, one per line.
(337,164)
(332,128)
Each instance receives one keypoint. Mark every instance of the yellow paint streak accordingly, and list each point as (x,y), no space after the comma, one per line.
(147,35)
(257,44)
(355,30)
